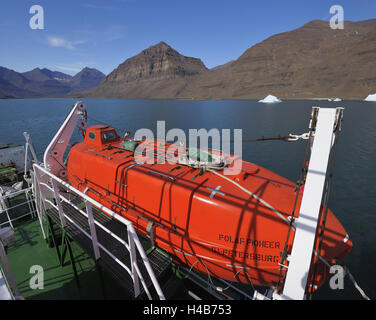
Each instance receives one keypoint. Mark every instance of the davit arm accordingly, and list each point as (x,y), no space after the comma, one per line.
(53,156)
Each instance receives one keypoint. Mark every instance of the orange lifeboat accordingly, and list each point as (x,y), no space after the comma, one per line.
(232,227)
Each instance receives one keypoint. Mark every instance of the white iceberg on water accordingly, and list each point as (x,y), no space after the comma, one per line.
(371,97)
(270,99)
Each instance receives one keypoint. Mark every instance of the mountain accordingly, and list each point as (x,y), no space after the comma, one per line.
(8,90)
(222,66)
(13,84)
(313,61)
(40,75)
(45,83)
(87,78)
(158,71)
(12,77)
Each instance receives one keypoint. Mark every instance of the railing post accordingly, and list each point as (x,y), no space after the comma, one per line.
(5,208)
(93,232)
(8,270)
(58,203)
(29,202)
(133,255)
(39,199)
(31,198)
(146,262)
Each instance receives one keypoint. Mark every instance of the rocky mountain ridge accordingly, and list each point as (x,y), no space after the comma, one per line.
(313,61)
(46,83)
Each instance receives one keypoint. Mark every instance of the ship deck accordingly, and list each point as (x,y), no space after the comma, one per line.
(80,276)
(158,260)
(28,248)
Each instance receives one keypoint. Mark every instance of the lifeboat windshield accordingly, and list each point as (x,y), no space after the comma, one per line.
(109,136)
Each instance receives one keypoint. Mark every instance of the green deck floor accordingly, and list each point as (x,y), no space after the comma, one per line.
(28,248)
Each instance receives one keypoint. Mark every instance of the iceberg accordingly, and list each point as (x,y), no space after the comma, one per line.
(371,97)
(270,99)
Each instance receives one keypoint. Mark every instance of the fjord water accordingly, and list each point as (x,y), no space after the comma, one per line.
(353,193)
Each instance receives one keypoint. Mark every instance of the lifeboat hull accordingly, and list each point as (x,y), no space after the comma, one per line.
(206,221)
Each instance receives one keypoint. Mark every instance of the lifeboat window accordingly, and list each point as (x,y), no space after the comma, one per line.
(109,136)
(92,135)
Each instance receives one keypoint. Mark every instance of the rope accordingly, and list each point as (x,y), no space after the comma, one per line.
(357,287)
(220,289)
(185,277)
(190,270)
(207,271)
(347,272)
(253,195)
(289,138)
(101,122)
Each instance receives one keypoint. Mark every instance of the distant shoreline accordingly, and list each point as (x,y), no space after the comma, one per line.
(186,99)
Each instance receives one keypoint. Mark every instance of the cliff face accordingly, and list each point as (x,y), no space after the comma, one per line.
(313,61)
(159,71)
(159,62)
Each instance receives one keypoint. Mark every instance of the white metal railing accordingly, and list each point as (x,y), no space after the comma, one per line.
(6,208)
(8,284)
(47,189)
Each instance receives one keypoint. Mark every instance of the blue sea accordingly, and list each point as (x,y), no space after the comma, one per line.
(353,193)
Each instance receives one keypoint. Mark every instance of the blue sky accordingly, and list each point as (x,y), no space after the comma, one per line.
(103,34)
